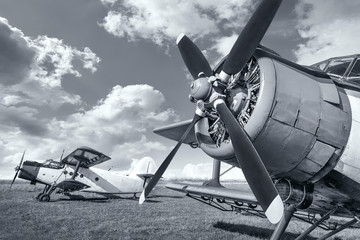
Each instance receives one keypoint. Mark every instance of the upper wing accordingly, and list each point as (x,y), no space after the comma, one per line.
(87,156)
(175,132)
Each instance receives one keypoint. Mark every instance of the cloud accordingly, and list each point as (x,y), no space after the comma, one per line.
(117,125)
(34,67)
(21,119)
(161,21)
(329,29)
(16,55)
(119,122)
(223,45)
(31,71)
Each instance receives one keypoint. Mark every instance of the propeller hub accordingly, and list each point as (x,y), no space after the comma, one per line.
(201,89)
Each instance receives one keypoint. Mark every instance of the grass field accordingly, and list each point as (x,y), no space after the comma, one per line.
(167,215)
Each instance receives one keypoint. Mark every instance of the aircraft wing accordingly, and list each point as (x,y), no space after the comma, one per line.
(87,156)
(242,194)
(175,132)
(71,185)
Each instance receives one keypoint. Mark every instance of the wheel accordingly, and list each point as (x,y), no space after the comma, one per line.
(39,196)
(45,198)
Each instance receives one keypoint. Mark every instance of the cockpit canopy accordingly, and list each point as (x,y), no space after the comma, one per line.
(345,69)
(50,163)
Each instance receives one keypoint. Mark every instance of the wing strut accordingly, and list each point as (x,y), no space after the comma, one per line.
(316,224)
(342,227)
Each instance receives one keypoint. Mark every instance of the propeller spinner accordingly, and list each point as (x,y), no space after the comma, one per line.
(211,90)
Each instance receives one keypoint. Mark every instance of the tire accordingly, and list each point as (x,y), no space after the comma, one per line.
(38,197)
(45,198)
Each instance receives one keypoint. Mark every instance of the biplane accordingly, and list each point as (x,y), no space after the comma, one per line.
(292,129)
(77,172)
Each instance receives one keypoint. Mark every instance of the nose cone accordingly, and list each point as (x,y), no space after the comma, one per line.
(200,89)
(29,171)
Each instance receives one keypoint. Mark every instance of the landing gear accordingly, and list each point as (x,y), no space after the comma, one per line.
(45,195)
(39,196)
(45,198)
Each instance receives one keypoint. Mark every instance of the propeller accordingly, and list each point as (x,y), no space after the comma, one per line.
(248,158)
(193,58)
(18,169)
(159,172)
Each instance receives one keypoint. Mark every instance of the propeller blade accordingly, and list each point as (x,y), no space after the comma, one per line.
(154,180)
(17,171)
(252,165)
(250,37)
(193,58)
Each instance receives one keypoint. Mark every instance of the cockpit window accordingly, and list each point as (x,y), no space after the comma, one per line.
(321,65)
(338,67)
(354,75)
(53,164)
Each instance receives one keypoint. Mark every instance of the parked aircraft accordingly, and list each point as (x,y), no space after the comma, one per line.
(76,172)
(292,130)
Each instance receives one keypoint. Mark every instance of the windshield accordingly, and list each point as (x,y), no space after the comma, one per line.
(338,67)
(53,164)
(354,75)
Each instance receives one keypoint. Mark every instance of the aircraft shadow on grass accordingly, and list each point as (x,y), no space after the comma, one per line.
(254,231)
(106,198)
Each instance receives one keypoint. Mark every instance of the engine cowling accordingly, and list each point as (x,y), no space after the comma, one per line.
(298,120)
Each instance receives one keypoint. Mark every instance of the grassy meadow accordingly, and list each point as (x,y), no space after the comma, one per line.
(167,215)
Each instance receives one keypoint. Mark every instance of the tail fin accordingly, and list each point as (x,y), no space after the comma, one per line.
(144,168)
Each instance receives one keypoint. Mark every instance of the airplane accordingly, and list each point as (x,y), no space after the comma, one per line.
(76,172)
(292,129)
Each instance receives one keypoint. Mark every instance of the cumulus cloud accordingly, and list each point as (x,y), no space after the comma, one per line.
(34,67)
(162,21)
(223,45)
(119,122)
(330,29)
(117,125)
(31,71)
(16,54)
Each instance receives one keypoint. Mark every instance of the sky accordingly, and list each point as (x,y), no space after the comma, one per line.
(105,73)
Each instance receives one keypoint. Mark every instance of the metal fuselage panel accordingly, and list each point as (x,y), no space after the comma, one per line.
(349,163)
(307,128)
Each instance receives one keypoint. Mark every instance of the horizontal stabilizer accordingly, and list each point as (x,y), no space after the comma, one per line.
(145,176)
(175,131)
(243,194)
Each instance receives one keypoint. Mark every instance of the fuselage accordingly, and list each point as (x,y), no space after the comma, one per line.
(91,179)
(97,180)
